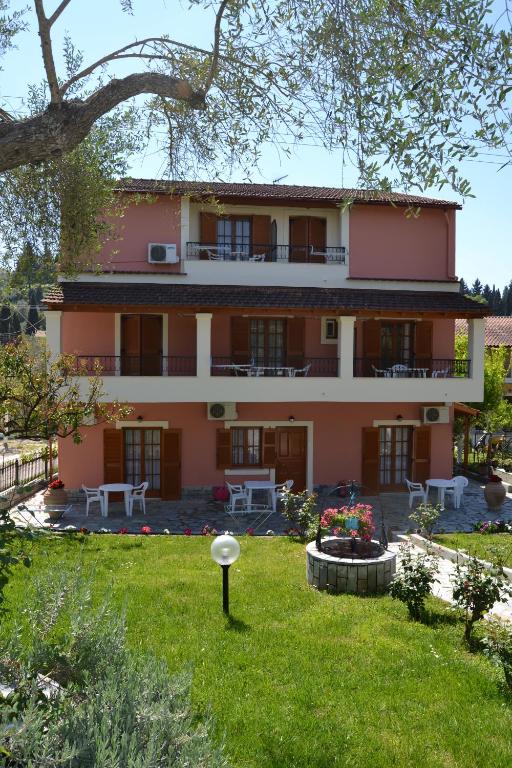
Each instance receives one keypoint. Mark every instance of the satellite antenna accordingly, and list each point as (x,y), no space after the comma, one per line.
(275,181)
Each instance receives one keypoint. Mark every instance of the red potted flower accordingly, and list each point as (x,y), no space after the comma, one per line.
(494,492)
(55,496)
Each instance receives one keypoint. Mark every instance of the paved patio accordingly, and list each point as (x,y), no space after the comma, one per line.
(193,512)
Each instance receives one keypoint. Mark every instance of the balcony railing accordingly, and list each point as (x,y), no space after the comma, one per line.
(266,252)
(412,369)
(313,366)
(136,365)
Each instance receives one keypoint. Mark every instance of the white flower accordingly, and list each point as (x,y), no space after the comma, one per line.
(270,532)
(167,531)
(70,528)
(104,530)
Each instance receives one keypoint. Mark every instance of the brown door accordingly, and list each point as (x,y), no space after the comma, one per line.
(291,456)
(143,458)
(307,234)
(171,464)
(395,457)
(141,345)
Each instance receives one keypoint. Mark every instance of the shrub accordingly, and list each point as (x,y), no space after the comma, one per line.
(498,647)
(426,515)
(414,579)
(300,510)
(111,707)
(492,526)
(476,590)
(336,520)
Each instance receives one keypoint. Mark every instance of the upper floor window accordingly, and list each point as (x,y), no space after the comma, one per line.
(245,447)
(329,330)
(396,342)
(234,234)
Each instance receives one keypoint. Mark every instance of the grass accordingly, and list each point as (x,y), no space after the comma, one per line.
(494,547)
(298,678)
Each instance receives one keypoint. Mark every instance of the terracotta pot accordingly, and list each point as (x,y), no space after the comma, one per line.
(55,497)
(494,495)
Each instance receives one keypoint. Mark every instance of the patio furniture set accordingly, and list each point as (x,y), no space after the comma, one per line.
(132,494)
(454,487)
(241,503)
(401,371)
(253,369)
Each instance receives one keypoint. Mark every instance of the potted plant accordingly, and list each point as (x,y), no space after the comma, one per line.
(55,496)
(494,492)
(349,521)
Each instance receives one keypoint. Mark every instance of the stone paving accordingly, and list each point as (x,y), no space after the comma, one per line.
(194,511)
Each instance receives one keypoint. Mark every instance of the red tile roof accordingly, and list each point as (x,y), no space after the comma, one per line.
(268,297)
(275,192)
(498,330)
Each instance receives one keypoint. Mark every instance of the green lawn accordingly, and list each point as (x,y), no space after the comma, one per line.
(494,547)
(299,678)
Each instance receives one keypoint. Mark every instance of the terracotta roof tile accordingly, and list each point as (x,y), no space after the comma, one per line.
(255,297)
(498,330)
(328,195)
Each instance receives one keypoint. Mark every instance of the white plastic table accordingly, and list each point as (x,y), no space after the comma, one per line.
(262,485)
(441,486)
(107,488)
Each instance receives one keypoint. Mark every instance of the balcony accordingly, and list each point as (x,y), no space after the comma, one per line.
(136,365)
(313,367)
(280,254)
(367,367)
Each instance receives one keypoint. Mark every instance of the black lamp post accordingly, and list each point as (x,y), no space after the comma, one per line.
(225,551)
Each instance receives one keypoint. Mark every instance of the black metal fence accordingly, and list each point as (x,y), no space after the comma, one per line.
(309,366)
(412,369)
(23,471)
(136,365)
(267,252)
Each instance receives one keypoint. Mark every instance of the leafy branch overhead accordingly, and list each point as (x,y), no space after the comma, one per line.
(412,87)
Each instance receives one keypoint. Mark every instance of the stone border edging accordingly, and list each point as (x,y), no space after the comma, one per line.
(455,556)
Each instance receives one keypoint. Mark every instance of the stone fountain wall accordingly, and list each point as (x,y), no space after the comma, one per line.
(342,574)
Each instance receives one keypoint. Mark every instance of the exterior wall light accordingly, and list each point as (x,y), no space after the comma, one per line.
(291,419)
(225,550)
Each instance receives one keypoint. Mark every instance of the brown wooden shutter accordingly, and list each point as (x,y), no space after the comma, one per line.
(423,342)
(317,238)
(130,345)
(421,454)
(299,239)
(240,343)
(113,456)
(207,231)
(223,449)
(151,345)
(295,333)
(268,458)
(261,237)
(371,347)
(370,459)
(171,464)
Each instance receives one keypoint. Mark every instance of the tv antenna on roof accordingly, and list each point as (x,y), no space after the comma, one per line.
(280,178)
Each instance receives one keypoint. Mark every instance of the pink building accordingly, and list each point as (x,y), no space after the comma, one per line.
(271,332)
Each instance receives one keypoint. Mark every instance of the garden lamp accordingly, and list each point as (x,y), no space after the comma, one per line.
(225,550)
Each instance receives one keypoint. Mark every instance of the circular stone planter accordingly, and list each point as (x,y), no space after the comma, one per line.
(361,576)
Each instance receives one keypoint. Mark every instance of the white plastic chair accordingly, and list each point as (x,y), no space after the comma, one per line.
(138,494)
(381,372)
(416,491)
(257,257)
(92,495)
(281,490)
(300,371)
(237,493)
(460,482)
(440,374)
(399,370)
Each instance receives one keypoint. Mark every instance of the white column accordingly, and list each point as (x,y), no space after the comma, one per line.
(346,347)
(476,348)
(53,333)
(345,231)
(185,229)
(204,343)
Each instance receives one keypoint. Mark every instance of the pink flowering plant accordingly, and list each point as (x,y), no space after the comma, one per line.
(339,522)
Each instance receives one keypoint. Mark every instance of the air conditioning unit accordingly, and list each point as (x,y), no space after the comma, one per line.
(162,253)
(221,411)
(436,414)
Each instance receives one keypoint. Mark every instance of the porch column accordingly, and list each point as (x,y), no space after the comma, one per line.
(204,344)
(185,230)
(53,333)
(346,347)
(476,347)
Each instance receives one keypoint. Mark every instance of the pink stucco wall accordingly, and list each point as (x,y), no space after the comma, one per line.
(88,333)
(337,433)
(385,243)
(157,220)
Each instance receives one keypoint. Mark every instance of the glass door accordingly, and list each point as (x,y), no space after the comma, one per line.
(142,454)
(267,343)
(394,456)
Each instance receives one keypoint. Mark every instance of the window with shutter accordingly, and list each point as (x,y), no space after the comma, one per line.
(370,459)
(223,449)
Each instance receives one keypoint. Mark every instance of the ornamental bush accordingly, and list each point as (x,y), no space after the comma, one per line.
(107,706)
(498,647)
(300,510)
(476,589)
(426,516)
(414,580)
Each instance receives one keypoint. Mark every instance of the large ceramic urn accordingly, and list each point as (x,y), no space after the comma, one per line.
(494,492)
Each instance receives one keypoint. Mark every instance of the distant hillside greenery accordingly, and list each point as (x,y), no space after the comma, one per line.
(500,302)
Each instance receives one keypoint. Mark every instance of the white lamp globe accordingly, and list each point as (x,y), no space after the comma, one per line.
(225,549)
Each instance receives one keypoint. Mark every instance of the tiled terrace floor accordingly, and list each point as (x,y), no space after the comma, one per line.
(194,512)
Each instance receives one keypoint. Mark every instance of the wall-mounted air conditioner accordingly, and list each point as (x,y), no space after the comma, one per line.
(162,253)
(436,414)
(221,411)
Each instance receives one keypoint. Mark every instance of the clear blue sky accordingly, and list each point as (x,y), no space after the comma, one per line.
(484,227)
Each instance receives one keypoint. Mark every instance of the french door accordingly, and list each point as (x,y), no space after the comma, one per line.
(142,458)
(268,342)
(395,455)
(141,345)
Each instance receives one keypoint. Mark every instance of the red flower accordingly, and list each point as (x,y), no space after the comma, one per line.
(145,529)
(56,485)
(84,530)
(187,531)
(123,530)
(250,531)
